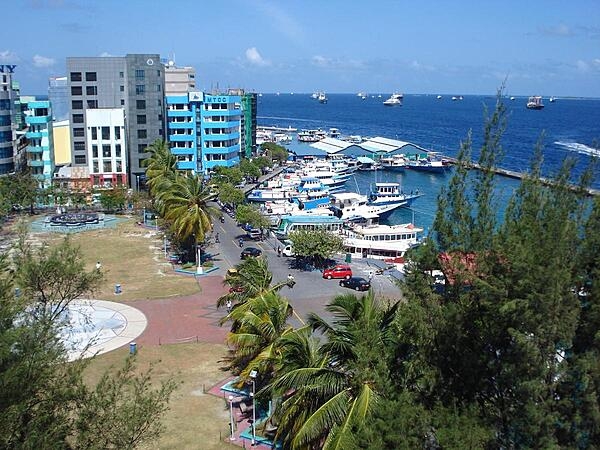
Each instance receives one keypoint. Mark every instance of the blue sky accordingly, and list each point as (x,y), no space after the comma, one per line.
(450,47)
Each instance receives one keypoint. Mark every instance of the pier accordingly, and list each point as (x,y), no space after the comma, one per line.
(289,129)
(520,175)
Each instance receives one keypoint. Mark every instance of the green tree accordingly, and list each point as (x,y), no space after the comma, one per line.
(317,245)
(231,175)
(275,152)
(249,169)
(161,167)
(261,162)
(113,199)
(251,214)
(230,194)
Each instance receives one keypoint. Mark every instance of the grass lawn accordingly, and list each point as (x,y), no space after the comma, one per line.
(132,257)
(195,420)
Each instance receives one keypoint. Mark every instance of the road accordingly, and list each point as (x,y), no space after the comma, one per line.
(311,292)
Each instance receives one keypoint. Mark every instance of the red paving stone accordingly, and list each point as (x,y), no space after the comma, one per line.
(185,319)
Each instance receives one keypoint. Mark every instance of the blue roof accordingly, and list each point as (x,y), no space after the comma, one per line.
(309,151)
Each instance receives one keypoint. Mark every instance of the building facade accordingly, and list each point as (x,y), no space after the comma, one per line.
(106,144)
(179,80)
(40,141)
(134,83)
(204,130)
(58,94)
(7,125)
(248,128)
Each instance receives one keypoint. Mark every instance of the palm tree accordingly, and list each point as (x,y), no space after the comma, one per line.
(161,167)
(261,322)
(325,400)
(185,206)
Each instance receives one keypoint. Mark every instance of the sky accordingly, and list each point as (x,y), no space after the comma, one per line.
(539,47)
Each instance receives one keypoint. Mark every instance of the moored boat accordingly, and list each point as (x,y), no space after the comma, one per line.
(535,102)
(391,193)
(394,100)
(381,241)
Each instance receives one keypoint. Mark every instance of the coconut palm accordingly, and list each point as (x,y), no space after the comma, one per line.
(261,322)
(161,167)
(185,206)
(331,396)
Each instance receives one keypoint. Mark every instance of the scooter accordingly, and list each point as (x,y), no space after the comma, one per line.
(222,219)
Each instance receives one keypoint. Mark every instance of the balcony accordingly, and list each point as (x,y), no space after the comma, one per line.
(176,113)
(181,138)
(35,163)
(221,150)
(34,134)
(222,112)
(34,149)
(181,125)
(186,165)
(183,151)
(214,124)
(32,120)
(220,137)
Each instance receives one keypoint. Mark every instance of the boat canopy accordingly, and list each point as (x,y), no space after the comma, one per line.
(365,160)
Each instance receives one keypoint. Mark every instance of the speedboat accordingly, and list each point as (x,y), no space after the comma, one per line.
(394,100)
(439,97)
(391,193)
(535,102)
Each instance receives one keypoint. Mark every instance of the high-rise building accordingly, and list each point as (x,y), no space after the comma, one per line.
(7,124)
(134,82)
(248,128)
(40,141)
(106,143)
(58,94)
(179,80)
(204,130)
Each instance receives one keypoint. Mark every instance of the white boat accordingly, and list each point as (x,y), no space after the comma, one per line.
(431,162)
(552,100)
(512,98)
(311,222)
(439,97)
(362,95)
(352,206)
(394,162)
(394,100)
(383,242)
(391,193)
(311,135)
(454,98)
(535,102)
(334,133)
(322,98)
(315,95)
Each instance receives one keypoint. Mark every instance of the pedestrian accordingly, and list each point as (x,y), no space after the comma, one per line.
(370,275)
(217,238)
(291,281)
(98,265)
(278,251)
(228,304)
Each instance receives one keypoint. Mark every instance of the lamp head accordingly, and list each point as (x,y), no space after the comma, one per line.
(253,374)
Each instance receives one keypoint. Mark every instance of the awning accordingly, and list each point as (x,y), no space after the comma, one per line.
(365,160)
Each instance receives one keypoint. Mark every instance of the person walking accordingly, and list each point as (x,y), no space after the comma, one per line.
(98,265)
(228,304)
(278,251)
(370,275)
(291,281)
(217,238)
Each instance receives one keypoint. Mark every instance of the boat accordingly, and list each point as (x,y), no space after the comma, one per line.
(362,95)
(394,100)
(311,135)
(535,102)
(384,242)
(439,97)
(334,133)
(512,98)
(552,100)
(315,95)
(289,224)
(432,162)
(332,180)
(311,193)
(322,98)
(367,163)
(353,207)
(454,98)
(394,162)
(391,193)
(270,194)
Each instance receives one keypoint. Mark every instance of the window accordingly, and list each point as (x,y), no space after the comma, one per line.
(91,90)
(140,104)
(107,166)
(118,150)
(77,118)
(122,88)
(142,148)
(140,89)
(142,134)
(94,133)
(158,88)
(139,74)
(95,167)
(119,166)
(94,151)
(141,119)
(106,133)
(106,151)
(117,132)
(75,76)
(141,162)
(79,146)
(160,117)
(159,103)
(90,76)
(121,75)
(92,104)
(78,132)
(77,104)
(76,90)
(122,102)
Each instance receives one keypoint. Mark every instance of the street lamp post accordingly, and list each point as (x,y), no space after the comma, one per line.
(253,375)
(231,437)
(144,217)
(137,183)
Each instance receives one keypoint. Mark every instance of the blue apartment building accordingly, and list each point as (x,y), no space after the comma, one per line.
(203,130)
(40,147)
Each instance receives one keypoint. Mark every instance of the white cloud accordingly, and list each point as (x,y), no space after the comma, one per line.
(254,57)
(337,64)
(43,61)
(320,61)
(416,65)
(283,22)
(582,66)
(6,56)
(105,55)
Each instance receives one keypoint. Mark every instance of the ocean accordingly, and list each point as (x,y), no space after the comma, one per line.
(570,127)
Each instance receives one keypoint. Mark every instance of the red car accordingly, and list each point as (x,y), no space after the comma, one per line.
(339,271)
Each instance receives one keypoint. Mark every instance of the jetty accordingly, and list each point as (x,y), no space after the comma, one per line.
(521,175)
(289,129)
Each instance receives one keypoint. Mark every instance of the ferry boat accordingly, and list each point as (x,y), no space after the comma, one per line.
(430,163)
(311,135)
(352,206)
(271,194)
(334,133)
(322,98)
(391,193)
(384,242)
(312,193)
(330,179)
(535,102)
(394,100)
(394,162)
(289,224)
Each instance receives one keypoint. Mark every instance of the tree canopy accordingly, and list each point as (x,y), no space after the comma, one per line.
(317,245)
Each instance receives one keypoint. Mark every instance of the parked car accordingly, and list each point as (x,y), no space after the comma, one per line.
(339,271)
(255,233)
(250,252)
(356,283)
(288,251)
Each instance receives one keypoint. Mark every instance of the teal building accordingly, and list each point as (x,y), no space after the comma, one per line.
(40,147)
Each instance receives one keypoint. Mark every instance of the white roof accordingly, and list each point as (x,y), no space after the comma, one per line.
(381,144)
(331,145)
(348,196)
(386,229)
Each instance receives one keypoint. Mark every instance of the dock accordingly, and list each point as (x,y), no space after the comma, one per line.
(520,175)
(262,179)
(279,129)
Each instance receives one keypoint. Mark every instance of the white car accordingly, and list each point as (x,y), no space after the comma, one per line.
(288,251)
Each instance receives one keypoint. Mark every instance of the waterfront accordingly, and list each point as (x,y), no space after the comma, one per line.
(570,127)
